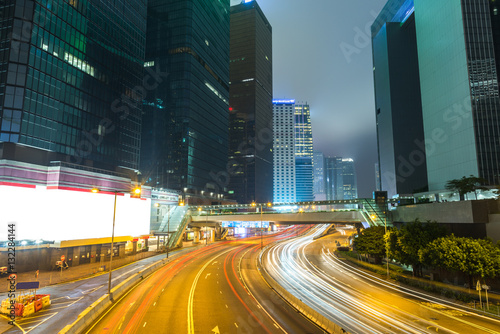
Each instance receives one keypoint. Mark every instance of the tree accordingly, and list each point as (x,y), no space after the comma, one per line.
(473,257)
(371,241)
(412,237)
(466,185)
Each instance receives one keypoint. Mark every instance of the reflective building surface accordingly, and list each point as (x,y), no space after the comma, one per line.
(400,131)
(303,153)
(68,71)
(251,111)
(185,123)
(457,45)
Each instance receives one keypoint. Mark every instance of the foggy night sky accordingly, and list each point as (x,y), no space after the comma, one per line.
(309,66)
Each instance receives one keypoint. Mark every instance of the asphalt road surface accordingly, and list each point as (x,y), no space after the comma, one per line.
(216,289)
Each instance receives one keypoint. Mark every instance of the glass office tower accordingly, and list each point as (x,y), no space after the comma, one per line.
(459,85)
(303,153)
(251,112)
(400,131)
(185,125)
(349,179)
(334,178)
(319,176)
(67,75)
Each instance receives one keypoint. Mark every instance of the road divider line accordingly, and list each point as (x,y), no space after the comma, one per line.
(190,319)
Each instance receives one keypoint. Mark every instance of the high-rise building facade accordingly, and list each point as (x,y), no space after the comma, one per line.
(459,93)
(284,151)
(349,179)
(68,72)
(319,176)
(251,107)
(459,86)
(303,153)
(334,182)
(400,132)
(185,124)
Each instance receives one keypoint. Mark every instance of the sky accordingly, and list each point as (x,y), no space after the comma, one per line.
(322,55)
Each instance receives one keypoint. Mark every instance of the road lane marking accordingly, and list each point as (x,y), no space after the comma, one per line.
(207,275)
(236,325)
(190,319)
(135,269)
(31,328)
(144,324)
(91,290)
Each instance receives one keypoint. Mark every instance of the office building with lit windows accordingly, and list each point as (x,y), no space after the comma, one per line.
(319,176)
(284,151)
(456,46)
(67,75)
(185,123)
(334,183)
(251,108)
(303,153)
(349,179)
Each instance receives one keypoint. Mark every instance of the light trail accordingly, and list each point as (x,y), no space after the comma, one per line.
(353,310)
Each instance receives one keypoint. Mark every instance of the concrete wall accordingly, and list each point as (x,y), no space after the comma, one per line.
(476,219)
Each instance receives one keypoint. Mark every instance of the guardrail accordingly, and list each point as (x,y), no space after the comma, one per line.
(314,316)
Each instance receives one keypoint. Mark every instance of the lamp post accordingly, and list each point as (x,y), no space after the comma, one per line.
(261,232)
(135,192)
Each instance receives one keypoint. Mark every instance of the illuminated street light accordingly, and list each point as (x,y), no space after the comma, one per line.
(261,232)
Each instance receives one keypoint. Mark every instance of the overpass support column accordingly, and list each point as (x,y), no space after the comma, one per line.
(212,235)
(196,237)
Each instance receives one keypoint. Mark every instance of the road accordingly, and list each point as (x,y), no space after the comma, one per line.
(361,302)
(68,300)
(216,289)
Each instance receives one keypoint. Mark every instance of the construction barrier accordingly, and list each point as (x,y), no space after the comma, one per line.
(26,304)
(38,305)
(19,309)
(29,309)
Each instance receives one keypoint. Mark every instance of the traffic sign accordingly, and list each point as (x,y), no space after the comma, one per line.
(27,285)
(485,287)
(478,286)
(63,257)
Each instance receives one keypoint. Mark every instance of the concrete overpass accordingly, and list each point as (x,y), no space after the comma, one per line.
(326,217)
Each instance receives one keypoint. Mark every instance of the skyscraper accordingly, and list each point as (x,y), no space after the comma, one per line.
(400,132)
(459,87)
(303,153)
(319,176)
(284,151)
(455,42)
(349,179)
(67,86)
(185,141)
(334,181)
(251,108)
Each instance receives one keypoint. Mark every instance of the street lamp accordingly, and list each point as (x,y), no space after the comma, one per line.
(135,192)
(261,232)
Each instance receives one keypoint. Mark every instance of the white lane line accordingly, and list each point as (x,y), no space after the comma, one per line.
(125,273)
